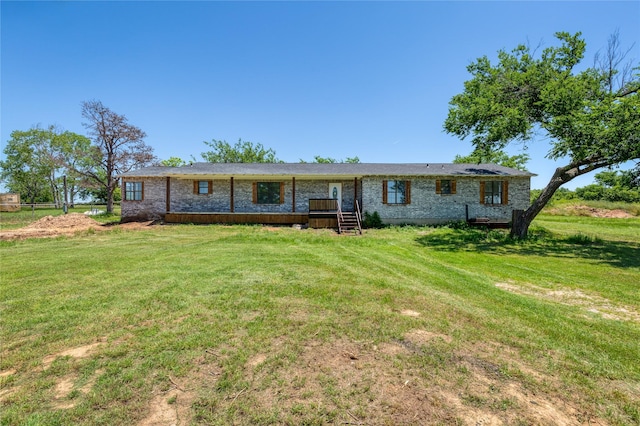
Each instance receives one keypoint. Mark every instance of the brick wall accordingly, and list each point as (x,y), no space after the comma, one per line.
(153,205)
(429,207)
(183,198)
(426,205)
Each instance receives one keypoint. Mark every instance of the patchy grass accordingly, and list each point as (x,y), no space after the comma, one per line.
(577,207)
(611,230)
(251,325)
(14,220)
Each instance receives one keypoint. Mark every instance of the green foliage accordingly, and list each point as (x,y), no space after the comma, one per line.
(500,157)
(99,194)
(611,186)
(173,162)
(324,160)
(372,220)
(36,160)
(560,195)
(241,152)
(329,160)
(599,192)
(586,118)
(617,179)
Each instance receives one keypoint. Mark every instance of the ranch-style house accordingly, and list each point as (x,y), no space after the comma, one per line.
(323,195)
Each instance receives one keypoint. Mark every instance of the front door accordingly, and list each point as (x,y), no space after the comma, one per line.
(335,192)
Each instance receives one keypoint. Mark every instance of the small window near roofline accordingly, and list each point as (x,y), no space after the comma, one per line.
(202,187)
(445,186)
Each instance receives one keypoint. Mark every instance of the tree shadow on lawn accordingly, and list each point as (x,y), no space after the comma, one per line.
(539,243)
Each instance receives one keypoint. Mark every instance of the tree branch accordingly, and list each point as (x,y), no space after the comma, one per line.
(628,92)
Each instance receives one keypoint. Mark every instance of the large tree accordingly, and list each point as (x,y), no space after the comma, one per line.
(37,159)
(118,147)
(241,152)
(591,118)
(518,161)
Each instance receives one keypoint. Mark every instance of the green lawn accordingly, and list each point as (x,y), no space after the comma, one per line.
(255,325)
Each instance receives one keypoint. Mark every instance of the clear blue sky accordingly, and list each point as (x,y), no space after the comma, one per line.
(336,79)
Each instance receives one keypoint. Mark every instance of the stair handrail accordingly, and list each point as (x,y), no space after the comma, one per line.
(339,216)
(358,217)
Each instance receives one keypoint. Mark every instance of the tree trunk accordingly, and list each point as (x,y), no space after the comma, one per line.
(110,199)
(72,196)
(521,222)
(54,193)
(111,182)
(562,175)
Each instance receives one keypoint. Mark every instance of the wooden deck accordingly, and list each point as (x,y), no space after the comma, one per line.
(239,218)
(322,214)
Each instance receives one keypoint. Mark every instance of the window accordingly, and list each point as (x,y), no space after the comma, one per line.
(396,192)
(202,187)
(268,192)
(494,192)
(445,186)
(133,191)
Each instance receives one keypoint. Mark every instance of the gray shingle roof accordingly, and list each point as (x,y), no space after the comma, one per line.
(315,170)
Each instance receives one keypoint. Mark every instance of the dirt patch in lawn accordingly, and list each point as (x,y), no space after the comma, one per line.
(581,210)
(78,352)
(423,377)
(592,303)
(64,225)
(346,382)
(169,408)
(69,387)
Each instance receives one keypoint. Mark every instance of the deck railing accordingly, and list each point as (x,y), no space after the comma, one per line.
(340,217)
(318,205)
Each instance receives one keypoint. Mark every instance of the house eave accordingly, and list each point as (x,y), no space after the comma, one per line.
(266,177)
(287,171)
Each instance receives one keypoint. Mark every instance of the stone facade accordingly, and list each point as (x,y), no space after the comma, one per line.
(184,200)
(429,207)
(426,205)
(153,205)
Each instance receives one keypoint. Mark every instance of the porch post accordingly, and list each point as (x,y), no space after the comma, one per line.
(168,200)
(355,192)
(293,194)
(231,201)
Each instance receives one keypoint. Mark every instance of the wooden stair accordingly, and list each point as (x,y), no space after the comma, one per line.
(348,222)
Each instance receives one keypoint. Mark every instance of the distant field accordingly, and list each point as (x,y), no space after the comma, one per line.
(258,325)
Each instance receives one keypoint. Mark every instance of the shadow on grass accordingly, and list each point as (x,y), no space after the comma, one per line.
(540,243)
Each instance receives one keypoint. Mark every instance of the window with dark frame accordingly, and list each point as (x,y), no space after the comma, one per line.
(203,187)
(268,192)
(445,186)
(133,191)
(396,192)
(494,192)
